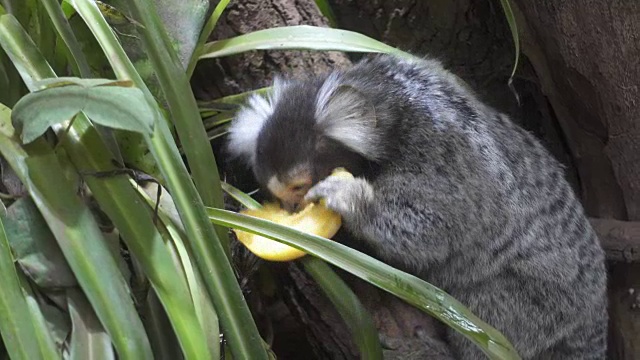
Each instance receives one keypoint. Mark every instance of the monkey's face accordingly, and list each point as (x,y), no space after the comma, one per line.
(288,171)
(297,135)
(291,187)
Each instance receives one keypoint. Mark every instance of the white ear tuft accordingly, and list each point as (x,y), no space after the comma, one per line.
(250,120)
(346,115)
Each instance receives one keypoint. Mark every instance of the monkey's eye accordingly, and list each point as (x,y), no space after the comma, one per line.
(299,187)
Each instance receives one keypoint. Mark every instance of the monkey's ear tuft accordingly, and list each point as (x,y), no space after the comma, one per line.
(245,128)
(344,114)
(250,120)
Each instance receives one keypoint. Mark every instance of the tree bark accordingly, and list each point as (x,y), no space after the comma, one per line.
(620,239)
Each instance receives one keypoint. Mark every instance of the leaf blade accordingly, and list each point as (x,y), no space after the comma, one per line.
(111,106)
(16,325)
(302,37)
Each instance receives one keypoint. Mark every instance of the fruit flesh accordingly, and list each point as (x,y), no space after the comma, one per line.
(315,219)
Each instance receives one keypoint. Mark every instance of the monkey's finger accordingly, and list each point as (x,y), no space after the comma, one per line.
(323,189)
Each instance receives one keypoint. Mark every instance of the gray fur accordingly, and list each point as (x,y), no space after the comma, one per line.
(460,196)
(345,115)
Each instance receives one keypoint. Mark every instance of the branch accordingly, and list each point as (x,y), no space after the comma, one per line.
(620,239)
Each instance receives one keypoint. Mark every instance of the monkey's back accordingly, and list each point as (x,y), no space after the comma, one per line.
(521,253)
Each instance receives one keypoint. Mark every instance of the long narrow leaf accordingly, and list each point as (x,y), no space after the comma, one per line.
(183,109)
(204,35)
(117,198)
(182,104)
(327,11)
(16,326)
(62,26)
(211,259)
(89,341)
(413,290)
(212,262)
(45,332)
(513,26)
(174,233)
(302,37)
(348,305)
(241,197)
(511,20)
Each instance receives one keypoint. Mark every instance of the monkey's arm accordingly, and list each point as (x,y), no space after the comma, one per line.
(397,215)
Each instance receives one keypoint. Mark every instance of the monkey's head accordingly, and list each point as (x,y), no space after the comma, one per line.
(301,131)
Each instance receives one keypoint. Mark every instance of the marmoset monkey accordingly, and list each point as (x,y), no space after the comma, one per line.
(446,188)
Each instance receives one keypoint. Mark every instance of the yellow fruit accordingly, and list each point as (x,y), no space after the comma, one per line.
(314,219)
(341,172)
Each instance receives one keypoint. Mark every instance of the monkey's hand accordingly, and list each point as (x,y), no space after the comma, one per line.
(348,196)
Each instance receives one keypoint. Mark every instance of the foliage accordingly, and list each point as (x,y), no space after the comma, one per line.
(87,260)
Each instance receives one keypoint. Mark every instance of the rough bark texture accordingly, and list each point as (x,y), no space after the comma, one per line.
(586,56)
(620,239)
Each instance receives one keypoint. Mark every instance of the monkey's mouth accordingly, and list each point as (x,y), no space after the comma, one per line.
(295,206)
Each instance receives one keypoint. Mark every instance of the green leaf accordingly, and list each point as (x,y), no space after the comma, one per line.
(326,11)
(120,202)
(183,21)
(51,324)
(513,26)
(183,108)
(173,232)
(58,18)
(69,80)
(411,289)
(81,242)
(22,10)
(207,315)
(35,246)
(67,9)
(4,78)
(241,197)
(302,37)
(209,253)
(348,305)
(164,343)
(89,340)
(47,315)
(16,324)
(204,35)
(113,106)
(236,99)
